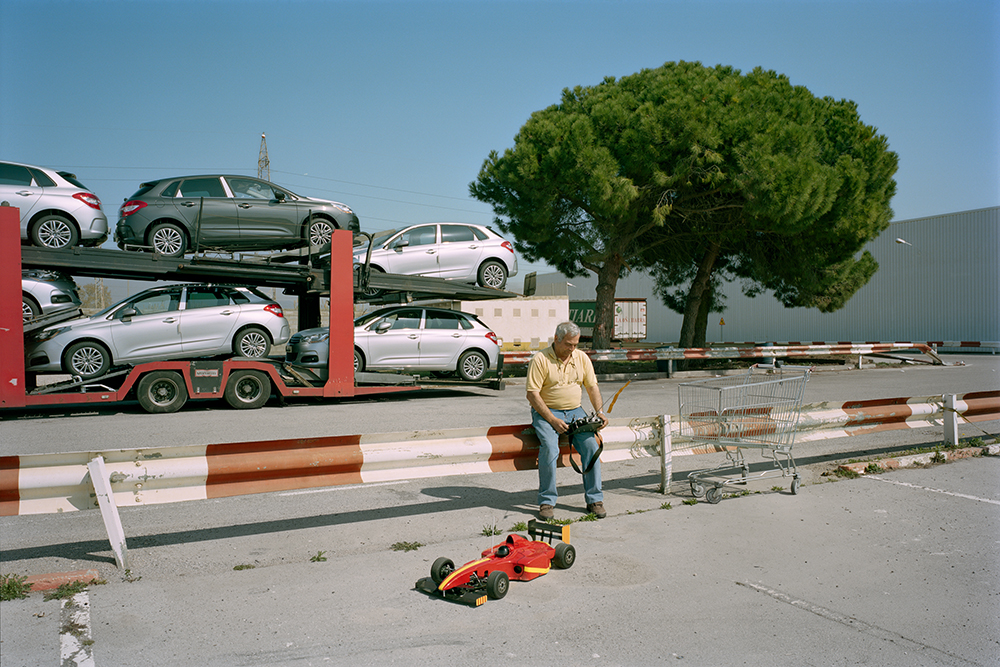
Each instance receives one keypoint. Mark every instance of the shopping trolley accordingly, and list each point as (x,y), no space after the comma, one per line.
(759,410)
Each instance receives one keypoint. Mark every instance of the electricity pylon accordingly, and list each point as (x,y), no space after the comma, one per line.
(263,164)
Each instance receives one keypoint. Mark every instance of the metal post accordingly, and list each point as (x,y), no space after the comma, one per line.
(109,510)
(950,421)
(666,454)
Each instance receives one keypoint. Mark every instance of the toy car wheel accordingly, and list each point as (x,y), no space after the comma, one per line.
(565,556)
(497,584)
(441,568)
(714,495)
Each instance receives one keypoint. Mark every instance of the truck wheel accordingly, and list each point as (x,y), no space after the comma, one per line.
(497,584)
(472,366)
(440,570)
(167,239)
(86,359)
(247,390)
(252,342)
(492,274)
(565,556)
(161,392)
(54,231)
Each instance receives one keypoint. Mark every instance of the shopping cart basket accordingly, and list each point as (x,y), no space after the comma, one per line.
(759,410)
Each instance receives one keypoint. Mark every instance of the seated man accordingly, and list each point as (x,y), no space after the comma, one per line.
(555,377)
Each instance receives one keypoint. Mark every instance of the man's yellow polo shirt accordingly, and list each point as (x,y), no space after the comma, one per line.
(559,384)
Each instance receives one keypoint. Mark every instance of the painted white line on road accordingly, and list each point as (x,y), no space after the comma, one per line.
(343,488)
(75,641)
(907,644)
(927,488)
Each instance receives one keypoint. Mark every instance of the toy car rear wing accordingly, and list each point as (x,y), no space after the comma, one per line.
(541,531)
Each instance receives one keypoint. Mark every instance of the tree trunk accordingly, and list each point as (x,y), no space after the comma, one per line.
(604,309)
(700,291)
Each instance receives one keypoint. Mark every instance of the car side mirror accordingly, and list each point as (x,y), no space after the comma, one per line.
(383,326)
(128,314)
(280,196)
(401,243)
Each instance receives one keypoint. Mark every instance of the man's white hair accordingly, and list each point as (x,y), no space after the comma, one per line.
(566,329)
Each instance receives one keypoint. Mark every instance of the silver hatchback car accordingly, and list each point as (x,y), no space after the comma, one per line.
(162,323)
(57,211)
(449,250)
(444,342)
(45,293)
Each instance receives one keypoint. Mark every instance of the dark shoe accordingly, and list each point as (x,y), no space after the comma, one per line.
(546,512)
(597,509)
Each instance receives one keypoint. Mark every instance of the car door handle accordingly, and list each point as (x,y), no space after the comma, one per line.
(413,336)
(228,312)
(189,204)
(244,205)
(25,193)
(431,252)
(170,320)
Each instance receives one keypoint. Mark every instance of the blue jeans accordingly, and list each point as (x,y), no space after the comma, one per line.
(548,455)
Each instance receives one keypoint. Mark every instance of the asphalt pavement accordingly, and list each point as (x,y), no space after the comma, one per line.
(900,568)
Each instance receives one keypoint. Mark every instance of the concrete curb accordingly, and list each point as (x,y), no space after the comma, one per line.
(917,460)
(48,582)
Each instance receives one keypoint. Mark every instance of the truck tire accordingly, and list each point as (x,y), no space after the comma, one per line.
(161,392)
(247,390)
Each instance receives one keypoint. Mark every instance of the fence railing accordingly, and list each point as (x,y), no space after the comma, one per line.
(66,482)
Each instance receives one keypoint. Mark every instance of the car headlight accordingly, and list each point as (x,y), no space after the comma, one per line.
(316,337)
(49,334)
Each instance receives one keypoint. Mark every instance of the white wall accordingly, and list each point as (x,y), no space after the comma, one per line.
(942,285)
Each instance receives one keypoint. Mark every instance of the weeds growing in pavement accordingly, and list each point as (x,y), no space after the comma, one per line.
(519,527)
(318,558)
(691,501)
(69,590)
(244,566)
(490,530)
(666,506)
(14,587)
(406,546)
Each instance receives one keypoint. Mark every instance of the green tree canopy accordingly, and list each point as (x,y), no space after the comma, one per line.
(700,174)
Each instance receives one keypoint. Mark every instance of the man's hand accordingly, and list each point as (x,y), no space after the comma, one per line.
(559,425)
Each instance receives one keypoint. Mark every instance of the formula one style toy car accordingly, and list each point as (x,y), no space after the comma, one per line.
(515,558)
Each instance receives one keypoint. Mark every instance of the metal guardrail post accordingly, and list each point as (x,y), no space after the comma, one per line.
(950,421)
(666,454)
(109,510)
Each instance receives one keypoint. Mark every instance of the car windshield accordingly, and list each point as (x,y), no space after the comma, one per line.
(382,237)
(365,320)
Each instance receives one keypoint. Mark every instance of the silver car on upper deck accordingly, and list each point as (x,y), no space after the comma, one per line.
(57,210)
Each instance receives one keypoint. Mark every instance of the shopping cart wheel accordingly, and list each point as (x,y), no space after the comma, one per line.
(714,495)
(795,485)
(697,489)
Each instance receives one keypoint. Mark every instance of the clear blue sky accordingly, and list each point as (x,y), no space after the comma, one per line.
(391,107)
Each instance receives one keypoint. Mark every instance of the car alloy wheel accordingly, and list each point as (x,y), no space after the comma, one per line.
(54,231)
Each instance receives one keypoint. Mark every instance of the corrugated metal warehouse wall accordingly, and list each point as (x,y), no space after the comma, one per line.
(940,283)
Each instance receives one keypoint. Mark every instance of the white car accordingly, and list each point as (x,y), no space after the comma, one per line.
(413,338)
(450,250)
(163,323)
(57,211)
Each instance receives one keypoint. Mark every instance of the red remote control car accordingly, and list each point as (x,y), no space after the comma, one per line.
(516,558)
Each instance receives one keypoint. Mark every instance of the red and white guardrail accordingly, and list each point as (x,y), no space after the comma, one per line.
(65,482)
